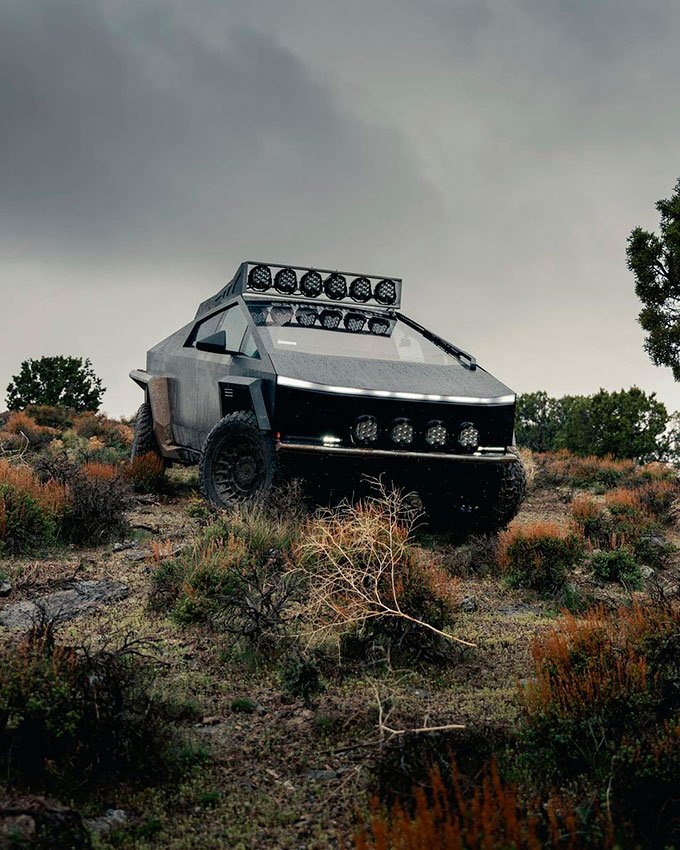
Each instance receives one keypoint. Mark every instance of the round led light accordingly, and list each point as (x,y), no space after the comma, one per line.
(360,289)
(331,319)
(306,316)
(285,281)
(386,292)
(354,322)
(402,432)
(469,437)
(260,278)
(366,430)
(436,435)
(311,284)
(259,315)
(335,286)
(378,326)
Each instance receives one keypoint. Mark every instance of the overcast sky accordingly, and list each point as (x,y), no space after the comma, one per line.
(494,154)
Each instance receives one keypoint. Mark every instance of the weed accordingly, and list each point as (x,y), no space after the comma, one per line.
(243,705)
(301,678)
(147,473)
(617,565)
(537,556)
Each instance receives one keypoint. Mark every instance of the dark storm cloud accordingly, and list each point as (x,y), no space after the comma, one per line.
(127,131)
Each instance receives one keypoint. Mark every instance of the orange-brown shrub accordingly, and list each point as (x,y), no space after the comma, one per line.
(147,473)
(657,497)
(492,815)
(598,679)
(538,555)
(31,512)
(19,423)
(112,433)
(101,471)
(562,467)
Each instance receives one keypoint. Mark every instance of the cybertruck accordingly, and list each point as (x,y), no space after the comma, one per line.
(316,374)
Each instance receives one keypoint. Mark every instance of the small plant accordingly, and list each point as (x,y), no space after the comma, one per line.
(301,678)
(617,565)
(537,556)
(147,473)
(243,705)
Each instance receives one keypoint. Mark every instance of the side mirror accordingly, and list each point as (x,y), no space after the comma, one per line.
(215,343)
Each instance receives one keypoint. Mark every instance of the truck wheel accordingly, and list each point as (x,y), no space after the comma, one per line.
(237,462)
(496,507)
(144,439)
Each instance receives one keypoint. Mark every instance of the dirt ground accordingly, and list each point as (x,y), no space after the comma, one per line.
(287,776)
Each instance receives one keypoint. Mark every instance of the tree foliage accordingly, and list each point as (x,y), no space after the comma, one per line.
(65,381)
(654,260)
(623,424)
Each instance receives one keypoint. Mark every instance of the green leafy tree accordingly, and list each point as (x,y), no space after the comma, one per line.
(66,381)
(538,420)
(624,424)
(654,260)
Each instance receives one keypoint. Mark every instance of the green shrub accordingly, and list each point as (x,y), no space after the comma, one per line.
(70,717)
(30,511)
(301,678)
(235,579)
(538,556)
(617,565)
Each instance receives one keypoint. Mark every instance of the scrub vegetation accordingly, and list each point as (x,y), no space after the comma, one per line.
(277,676)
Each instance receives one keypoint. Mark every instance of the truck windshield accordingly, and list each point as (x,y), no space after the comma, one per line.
(345,332)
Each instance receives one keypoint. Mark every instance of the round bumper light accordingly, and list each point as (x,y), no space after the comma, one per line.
(360,289)
(331,319)
(311,284)
(336,286)
(260,278)
(469,437)
(306,316)
(386,292)
(402,432)
(436,435)
(285,281)
(366,430)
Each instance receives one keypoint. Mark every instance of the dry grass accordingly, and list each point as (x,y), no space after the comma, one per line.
(360,564)
(51,496)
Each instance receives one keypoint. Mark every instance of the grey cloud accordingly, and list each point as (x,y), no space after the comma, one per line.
(132,133)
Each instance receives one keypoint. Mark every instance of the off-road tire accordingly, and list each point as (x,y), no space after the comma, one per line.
(238,461)
(500,505)
(144,438)
(508,500)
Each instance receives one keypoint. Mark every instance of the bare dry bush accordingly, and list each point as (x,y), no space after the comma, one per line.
(360,565)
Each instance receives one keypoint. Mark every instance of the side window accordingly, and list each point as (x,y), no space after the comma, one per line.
(235,324)
(231,321)
(248,347)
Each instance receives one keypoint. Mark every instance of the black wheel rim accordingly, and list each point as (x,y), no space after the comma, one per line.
(238,469)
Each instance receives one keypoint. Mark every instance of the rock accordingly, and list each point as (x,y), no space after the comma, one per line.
(41,824)
(75,599)
(139,556)
(468,604)
(111,819)
(213,720)
(646,572)
(5,588)
(126,544)
(321,775)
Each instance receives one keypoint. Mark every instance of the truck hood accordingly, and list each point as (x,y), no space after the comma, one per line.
(381,377)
